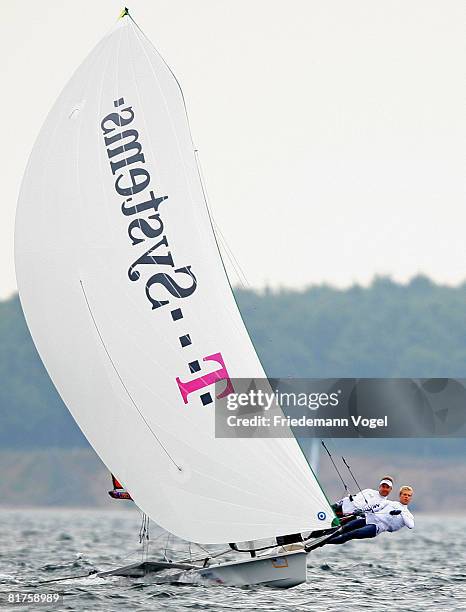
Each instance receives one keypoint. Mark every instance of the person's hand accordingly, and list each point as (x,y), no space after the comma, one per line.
(394,512)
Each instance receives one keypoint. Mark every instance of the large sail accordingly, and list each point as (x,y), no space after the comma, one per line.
(127,301)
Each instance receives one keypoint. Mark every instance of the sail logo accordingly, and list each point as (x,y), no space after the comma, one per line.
(186,388)
(128,166)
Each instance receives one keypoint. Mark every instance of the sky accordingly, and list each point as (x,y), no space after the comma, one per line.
(331,134)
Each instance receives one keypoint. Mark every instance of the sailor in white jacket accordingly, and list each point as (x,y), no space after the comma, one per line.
(392,517)
(390,520)
(366,500)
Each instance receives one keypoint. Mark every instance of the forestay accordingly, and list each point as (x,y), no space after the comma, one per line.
(127,301)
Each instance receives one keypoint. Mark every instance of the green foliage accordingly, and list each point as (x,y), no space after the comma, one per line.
(385,330)
(32,413)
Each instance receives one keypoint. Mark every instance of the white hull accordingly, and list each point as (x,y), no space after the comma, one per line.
(281,571)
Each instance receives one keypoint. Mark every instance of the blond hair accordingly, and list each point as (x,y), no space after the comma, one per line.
(406,488)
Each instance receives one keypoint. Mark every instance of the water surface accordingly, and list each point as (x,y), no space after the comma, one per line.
(411,571)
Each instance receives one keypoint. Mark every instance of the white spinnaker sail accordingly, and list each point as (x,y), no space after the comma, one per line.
(117,322)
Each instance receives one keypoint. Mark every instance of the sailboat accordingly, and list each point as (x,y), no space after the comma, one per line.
(128,303)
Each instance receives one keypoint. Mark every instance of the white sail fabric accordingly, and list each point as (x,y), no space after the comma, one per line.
(126,298)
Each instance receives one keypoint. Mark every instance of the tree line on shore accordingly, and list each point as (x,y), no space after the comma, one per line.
(384,330)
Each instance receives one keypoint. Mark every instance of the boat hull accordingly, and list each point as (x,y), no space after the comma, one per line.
(281,571)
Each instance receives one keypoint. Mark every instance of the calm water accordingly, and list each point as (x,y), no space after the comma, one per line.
(422,570)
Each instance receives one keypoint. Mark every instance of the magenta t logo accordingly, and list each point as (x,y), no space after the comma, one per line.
(186,388)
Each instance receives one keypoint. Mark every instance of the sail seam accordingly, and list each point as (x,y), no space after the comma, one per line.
(122,382)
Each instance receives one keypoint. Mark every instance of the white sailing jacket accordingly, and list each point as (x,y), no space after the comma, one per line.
(384,521)
(375,502)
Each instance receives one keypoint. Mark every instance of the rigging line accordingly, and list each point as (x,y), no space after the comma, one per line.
(211,556)
(143,536)
(147,541)
(353,477)
(221,240)
(142,529)
(143,42)
(334,465)
(166,547)
(123,384)
(231,257)
(229,252)
(137,552)
(202,548)
(211,221)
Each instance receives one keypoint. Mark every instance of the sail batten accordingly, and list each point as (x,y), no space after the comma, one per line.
(128,303)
